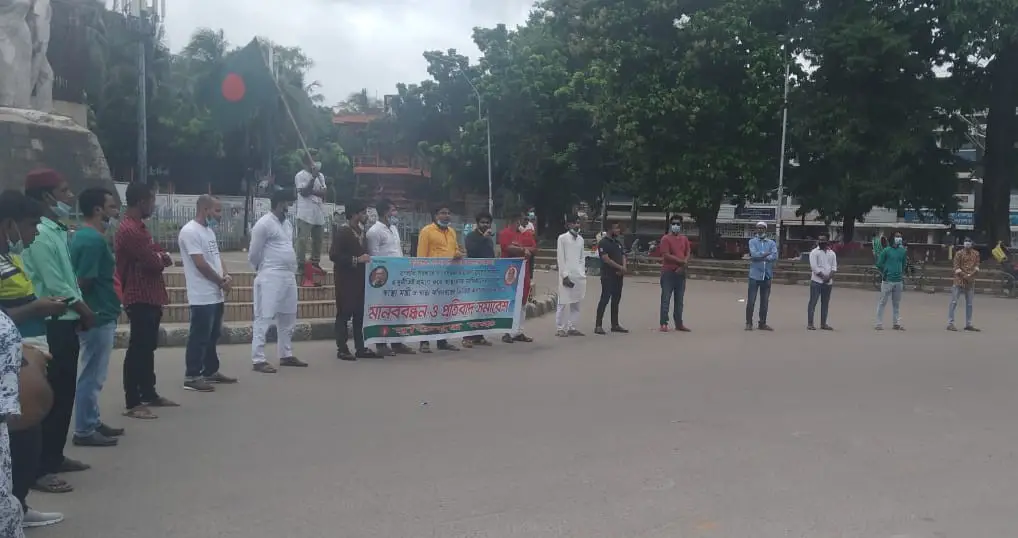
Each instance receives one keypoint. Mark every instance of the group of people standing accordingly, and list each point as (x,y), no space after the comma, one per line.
(59,306)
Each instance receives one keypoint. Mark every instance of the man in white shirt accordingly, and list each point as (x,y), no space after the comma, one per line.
(823,263)
(275,289)
(382,239)
(572,274)
(207,284)
(311,192)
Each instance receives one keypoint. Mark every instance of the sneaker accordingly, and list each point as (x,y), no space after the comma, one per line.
(810,328)
(599,330)
(972,329)
(109,431)
(664,328)
(95,439)
(220,379)
(198,384)
(561,334)
(292,362)
(898,328)
(523,338)
(826,328)
(574,332)
(345,355)
(619,329)
(765,327)
(508,339)
(951,327)
(264,368)
(34,518)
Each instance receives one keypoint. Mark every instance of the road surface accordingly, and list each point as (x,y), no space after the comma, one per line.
(716,433)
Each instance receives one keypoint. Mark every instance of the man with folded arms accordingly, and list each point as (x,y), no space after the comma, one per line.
(516,241)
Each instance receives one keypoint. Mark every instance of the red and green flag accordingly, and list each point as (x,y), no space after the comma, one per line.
(244,86)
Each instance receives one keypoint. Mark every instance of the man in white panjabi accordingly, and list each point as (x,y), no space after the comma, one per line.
(572,275)
(381,240)
(275,289)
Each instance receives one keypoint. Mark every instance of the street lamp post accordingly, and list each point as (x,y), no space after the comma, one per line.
(139,17)
(487,122)
(781,163)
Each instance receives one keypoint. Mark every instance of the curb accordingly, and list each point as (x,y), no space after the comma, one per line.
(318,329)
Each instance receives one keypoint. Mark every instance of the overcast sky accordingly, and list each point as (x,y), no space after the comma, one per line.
(355,44)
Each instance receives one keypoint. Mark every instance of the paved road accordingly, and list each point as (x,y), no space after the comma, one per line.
(717,433)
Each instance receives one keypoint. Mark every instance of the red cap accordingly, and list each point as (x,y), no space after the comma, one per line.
(43,178)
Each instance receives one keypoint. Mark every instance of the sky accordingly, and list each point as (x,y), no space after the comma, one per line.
(355,44)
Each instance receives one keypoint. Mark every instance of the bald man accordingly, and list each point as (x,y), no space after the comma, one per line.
(207,285)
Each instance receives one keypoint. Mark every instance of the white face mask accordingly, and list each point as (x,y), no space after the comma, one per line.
(967,244)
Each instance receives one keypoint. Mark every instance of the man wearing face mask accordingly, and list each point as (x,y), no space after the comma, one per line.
(613,270)
(382,240)
(350,258)
(823,263)
(763,252)
(516,242)
(48,263)
(438,240)
(94,265)
(479,244)
(275,290)
(966,266)
(572,275)
(675,250)
(310,215)
(531,225)
(207,285)
(891,264)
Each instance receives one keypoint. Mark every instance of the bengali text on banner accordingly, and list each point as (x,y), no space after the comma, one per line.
(425,299)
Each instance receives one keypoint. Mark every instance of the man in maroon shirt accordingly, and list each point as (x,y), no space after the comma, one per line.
(140,265)
(674,258)
(518,242)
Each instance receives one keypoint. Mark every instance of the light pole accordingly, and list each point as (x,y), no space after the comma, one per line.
(781,163)
(487,122)
(139,17)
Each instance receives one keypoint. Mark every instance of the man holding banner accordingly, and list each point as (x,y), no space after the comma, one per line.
(349,258)
(438,240)
(517,241)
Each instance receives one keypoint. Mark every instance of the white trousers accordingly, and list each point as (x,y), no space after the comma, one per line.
(285,324)
(567,316)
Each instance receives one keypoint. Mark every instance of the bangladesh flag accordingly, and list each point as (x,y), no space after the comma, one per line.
(243,87)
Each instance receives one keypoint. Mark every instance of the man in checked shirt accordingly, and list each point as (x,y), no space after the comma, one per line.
(140,265)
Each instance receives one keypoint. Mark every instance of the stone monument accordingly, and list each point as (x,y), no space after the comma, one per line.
(31,136)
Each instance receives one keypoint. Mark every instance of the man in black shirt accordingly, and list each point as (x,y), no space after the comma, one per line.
(479,244)
(613,266)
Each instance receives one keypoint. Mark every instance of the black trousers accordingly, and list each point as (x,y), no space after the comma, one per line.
(611,291)
(26,446)
(62,373)
(139,362)
(343,317)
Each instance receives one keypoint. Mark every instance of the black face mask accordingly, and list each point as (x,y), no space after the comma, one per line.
(823,245)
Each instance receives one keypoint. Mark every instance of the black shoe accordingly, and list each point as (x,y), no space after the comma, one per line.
(345,355)
(764,327)
(367,354)
(95,439)
(620,329)
(749,326)
(508,339)
(109,431)
(599,330)
(826,328)
(447,347)
(810,328)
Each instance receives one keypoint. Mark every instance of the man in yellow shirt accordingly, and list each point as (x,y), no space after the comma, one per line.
(438,240)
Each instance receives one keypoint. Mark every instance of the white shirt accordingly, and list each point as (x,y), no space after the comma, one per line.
(195,238)
(824,261)
(571,263)
(272,245)
(310,209)
(382,240)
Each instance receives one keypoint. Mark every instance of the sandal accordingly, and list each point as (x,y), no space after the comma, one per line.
(52,483)
(140,412)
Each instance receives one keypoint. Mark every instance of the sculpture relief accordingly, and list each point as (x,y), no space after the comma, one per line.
(26,78)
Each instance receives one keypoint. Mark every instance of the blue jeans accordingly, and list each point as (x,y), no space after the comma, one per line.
(970,295)
(764,289)
(96,347)
(201,357)
(673,288)
(818,292)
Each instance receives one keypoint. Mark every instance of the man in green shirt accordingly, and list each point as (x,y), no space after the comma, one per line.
(891,264)
(48,263)
(94,266)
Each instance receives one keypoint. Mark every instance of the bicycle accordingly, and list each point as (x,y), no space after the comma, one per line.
(914,275)
(1007,284)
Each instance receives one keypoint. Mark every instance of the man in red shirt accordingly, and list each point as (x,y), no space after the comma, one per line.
(516,241)
(675,252)
(140,265)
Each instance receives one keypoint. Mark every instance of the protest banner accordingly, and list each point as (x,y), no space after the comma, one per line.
(425,299)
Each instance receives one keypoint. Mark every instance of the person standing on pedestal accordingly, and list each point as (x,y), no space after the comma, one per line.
(311,194)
